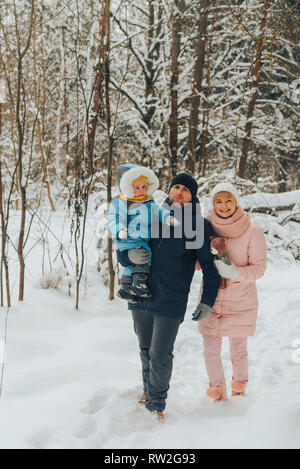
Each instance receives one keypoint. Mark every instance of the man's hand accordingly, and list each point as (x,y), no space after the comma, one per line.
(225,270)
(139,256)
(202,311)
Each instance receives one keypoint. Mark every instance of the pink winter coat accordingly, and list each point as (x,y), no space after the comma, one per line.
(234,313)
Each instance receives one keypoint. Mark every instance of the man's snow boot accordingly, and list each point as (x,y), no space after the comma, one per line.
(160,416)
(142,400)
(218,393)
(238,387)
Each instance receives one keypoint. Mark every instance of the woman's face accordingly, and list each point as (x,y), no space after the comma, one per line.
(224,204)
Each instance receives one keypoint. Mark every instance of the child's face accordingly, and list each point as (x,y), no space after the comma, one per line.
(140,188)
(224,204)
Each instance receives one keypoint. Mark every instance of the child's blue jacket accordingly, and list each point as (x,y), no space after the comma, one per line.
(137,218)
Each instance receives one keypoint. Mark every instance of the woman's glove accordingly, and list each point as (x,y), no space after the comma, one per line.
(225,270)
(139,256)
(171,221)
(202,311)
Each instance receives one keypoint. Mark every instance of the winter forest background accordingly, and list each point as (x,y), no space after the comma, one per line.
(207,87)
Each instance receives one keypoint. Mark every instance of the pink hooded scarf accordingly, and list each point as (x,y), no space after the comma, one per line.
(231,227)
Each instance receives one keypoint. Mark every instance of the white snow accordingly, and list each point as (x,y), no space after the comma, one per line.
(72,378)
(270,200)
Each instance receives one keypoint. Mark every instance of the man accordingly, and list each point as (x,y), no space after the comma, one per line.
(157,319)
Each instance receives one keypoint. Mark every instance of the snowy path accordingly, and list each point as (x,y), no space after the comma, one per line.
(72,378)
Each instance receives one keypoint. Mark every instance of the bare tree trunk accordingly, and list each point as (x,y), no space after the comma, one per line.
(65,113)
(205,118)
(9,75)
(175,51)
(3,234)
(101,108)
(2,216)
(197,84)
(110,143)
(254,86)
(98,100)
(22,186)
(97,111)
(3,246)
(92,8)
(21,120)
(39,131)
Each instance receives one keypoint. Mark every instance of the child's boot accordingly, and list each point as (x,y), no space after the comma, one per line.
(218,393)
(140,275)
(238,387)
(125,295)
(125,291)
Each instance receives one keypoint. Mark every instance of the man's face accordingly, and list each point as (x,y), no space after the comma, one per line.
(180,194)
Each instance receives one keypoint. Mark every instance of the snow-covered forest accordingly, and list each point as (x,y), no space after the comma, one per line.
(207,87)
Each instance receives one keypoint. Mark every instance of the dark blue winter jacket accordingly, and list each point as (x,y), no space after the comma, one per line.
(172,270)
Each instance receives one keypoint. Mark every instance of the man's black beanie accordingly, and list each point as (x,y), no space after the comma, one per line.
(187,181)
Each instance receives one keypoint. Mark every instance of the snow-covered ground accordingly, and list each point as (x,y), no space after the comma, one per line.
(72,378)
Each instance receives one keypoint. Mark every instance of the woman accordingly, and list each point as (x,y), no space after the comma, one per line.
(235,310)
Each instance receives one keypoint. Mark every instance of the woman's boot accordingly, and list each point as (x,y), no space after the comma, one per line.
(238,387)
(218,393)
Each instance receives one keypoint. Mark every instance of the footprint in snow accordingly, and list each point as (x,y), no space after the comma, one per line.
(87,429)
(233,407)
(40,439)
(131,394)
(99,401)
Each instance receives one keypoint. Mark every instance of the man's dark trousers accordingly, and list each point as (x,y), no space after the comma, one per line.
(156,335)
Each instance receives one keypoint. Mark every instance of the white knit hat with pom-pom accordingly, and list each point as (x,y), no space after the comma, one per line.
(224,187)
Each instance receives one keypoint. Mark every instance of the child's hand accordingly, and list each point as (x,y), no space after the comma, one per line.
(218,248)
(218,245)
(123,234)
(171,221)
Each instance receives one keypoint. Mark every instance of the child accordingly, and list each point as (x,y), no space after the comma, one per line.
(130,219)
